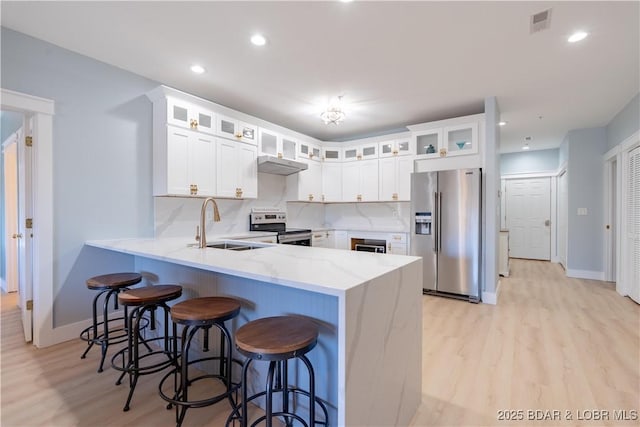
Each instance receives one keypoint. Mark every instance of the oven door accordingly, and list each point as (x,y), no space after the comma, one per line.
(363,247)
(301,239)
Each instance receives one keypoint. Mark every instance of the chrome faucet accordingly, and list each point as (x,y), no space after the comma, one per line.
(202,235)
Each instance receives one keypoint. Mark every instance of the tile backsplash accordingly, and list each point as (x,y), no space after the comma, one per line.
(179,216)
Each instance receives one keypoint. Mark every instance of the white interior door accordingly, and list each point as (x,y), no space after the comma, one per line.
(12,234)
(563,200)
(633,226)
(528,214)
(25,211)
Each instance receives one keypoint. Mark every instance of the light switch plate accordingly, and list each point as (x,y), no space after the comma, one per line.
(582,211)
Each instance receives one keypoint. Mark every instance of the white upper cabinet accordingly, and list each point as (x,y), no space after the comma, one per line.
(309,151)
(276,145)
(395,178)
(237,130)
(360,181)
(306,186)
(331,154)
(331,182)
(188,161)
(461,139)
(236,170)
(190,116)
(427,143)
(360,152)
(398,147)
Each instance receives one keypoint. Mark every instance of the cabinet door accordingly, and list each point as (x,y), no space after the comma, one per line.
(226,171)
(247,133)
(227,127)
(403,147)
(204,120)
(331,154)
(178,112)
(247,170)
(388,188)
(461,139)
(350,154)
(268,142)
(309,151)
(368,180)
(403,173)
(202,163)
(310,183)
(428,143)
(369,151)
(387,149)
(350,181)
(289,148)
(178,161)
(331,182)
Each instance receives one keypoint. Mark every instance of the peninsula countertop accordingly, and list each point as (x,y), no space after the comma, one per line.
(323,270)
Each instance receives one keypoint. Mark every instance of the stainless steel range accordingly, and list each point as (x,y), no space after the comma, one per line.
(265,219)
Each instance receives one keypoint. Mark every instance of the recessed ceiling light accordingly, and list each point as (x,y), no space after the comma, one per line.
(258,40)
(502,123)
(525,147)
(346,1)
(577,36)
(198,69)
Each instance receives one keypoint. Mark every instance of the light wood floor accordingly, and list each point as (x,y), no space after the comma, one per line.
(551,343)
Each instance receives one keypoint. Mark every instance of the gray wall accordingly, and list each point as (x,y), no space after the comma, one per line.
(102,161)
(529,161)
(9,123)
(585,188)
(625,123)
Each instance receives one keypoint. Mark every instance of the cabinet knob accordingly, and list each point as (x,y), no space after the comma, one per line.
(310,197)
(279,155)
(17,236)
(443,152)
(395,196)
(359,198)
(359,157)
(395,152)
(238,135)
(193,124)
(238,192)
(193,189)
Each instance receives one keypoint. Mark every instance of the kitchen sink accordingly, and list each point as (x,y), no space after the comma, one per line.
(236,245)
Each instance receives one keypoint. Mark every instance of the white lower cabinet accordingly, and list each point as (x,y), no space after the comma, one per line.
(323,239)
(397,243)
(184,164)
(360,181)
(331,182)
(395,178)
(341,239)
(306,185)
(236,169)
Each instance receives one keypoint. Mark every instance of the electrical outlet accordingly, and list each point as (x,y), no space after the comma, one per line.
(582,211)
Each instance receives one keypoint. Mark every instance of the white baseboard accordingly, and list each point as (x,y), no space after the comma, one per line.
(72,331)
(585,274)
(491,297)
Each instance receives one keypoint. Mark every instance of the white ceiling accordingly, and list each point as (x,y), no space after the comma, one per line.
(395,63)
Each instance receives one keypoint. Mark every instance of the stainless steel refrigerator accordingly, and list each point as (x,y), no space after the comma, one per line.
(445,231)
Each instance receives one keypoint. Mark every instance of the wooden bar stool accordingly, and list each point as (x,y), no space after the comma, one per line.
(142,301)
(277,340)
(196,314)
(109,285)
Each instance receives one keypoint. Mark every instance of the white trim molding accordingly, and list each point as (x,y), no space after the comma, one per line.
(585,274)
(491,298)
(42,111)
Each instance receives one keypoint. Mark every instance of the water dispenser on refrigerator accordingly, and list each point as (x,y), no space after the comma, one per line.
(423,222)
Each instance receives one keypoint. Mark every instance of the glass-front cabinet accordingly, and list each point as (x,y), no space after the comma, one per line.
(309,151)
(360,152)
(428,143)
(331,154)
(276,145)
(236,129)
(461,139)
(190,116)
(399,147)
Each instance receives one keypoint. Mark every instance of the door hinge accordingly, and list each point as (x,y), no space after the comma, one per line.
(30,304)
(28,223)
(28,141)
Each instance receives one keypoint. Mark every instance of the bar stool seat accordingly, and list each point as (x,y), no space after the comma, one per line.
(196,314)
(128,360)
(277,340)
(104,333)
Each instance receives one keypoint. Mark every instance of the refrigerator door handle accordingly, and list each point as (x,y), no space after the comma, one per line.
(439,222)
(436,219)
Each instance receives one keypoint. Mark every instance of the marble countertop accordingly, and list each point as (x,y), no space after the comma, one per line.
(323,270)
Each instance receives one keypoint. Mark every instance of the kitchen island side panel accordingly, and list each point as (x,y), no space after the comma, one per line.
(262,299)
(383,319)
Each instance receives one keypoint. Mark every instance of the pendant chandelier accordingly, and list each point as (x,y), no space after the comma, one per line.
(334,113)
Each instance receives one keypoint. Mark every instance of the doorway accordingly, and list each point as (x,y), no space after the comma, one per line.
(10,231)
(528,217)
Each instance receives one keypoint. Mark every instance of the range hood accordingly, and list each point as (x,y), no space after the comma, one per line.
(274,165)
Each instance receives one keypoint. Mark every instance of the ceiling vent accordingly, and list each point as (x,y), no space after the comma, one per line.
(540,21)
